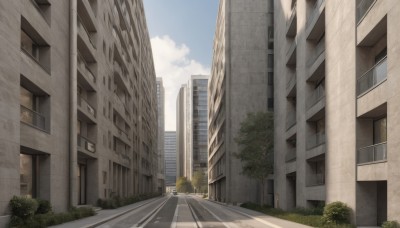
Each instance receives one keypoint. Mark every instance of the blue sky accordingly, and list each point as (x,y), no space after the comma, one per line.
(181,33)
(190,22)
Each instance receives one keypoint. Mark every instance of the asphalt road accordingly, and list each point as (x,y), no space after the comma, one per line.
(184,211)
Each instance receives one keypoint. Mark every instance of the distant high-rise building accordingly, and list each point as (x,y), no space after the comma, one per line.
(170,158)
(241,82)
(160,144)
(337,112)
(192,126)
(78,102)
(181,136)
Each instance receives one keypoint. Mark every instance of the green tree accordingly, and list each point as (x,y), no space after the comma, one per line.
(199,181)
(183,185)
(256,147)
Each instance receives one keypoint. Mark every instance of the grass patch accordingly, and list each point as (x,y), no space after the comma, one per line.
(305,216)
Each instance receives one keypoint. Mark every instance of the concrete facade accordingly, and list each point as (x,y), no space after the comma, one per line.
(170,158)
(241,82)
(336,118)
(160,135)
(78,102)
(181,142)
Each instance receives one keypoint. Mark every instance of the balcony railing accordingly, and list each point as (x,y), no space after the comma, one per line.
(33,118)
(317,95)
(373,153)
(122,132)
(89,35)
(315,140)
(314,11)
(319,49)
(86,106)
(290,155)
(372,77)
(316,179)
(291,81)
(290,120)
(362,8)
(86,144)
(84,67)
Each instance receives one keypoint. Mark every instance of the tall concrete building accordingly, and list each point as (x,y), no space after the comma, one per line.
(241,82)
(78,107)
(170,158)
(160,135)
(192,126)
(336,106)
(181,142)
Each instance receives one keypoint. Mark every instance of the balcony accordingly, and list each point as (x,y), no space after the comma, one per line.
(85,71)
(122,134)
(291,23)
(315,140)
(291,86)
(362,8)
(291,53)
(33,118)
(86,35)
(316,96)
(315,25)
(122,78)
(318,51)
(372,154)
(316,179)
(86,107)
(373,77)
(86,145)
(290,155)
(290,120)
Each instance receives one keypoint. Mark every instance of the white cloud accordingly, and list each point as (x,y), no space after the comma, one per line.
(173,64)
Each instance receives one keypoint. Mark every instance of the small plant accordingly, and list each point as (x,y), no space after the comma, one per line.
(44,207)
(391,224)
(23,207)
(336,213)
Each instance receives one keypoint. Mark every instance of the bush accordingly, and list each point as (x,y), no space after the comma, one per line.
(23,207)
(336,213)
(391,224)
(44,207)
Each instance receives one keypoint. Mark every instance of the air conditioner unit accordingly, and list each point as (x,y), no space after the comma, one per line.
(90,109)
(90,147)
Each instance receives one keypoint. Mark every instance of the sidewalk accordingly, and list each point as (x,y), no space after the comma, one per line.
(104,216)
(263,218)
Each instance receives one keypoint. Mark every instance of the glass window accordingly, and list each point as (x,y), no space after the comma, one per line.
(27,98)
(380,134)
(28,170)
(28,45)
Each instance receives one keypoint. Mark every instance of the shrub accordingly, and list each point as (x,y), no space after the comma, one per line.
(23,207)
(336,213)
(44,207)
(391,224)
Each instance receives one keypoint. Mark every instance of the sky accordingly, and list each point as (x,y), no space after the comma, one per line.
(181,33)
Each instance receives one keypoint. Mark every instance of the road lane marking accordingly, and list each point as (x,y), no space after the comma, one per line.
(143,222)
(215,216)
(196,219)
(173,224)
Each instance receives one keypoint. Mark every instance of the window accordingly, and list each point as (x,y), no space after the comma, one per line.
(30,109)
(29,46)
(380,133)
(270,78)
(28,165)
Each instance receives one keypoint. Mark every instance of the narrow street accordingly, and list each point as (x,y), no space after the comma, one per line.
(184,211)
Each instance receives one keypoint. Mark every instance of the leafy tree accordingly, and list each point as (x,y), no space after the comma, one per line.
(256,147)
(183,185)
(199,181)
